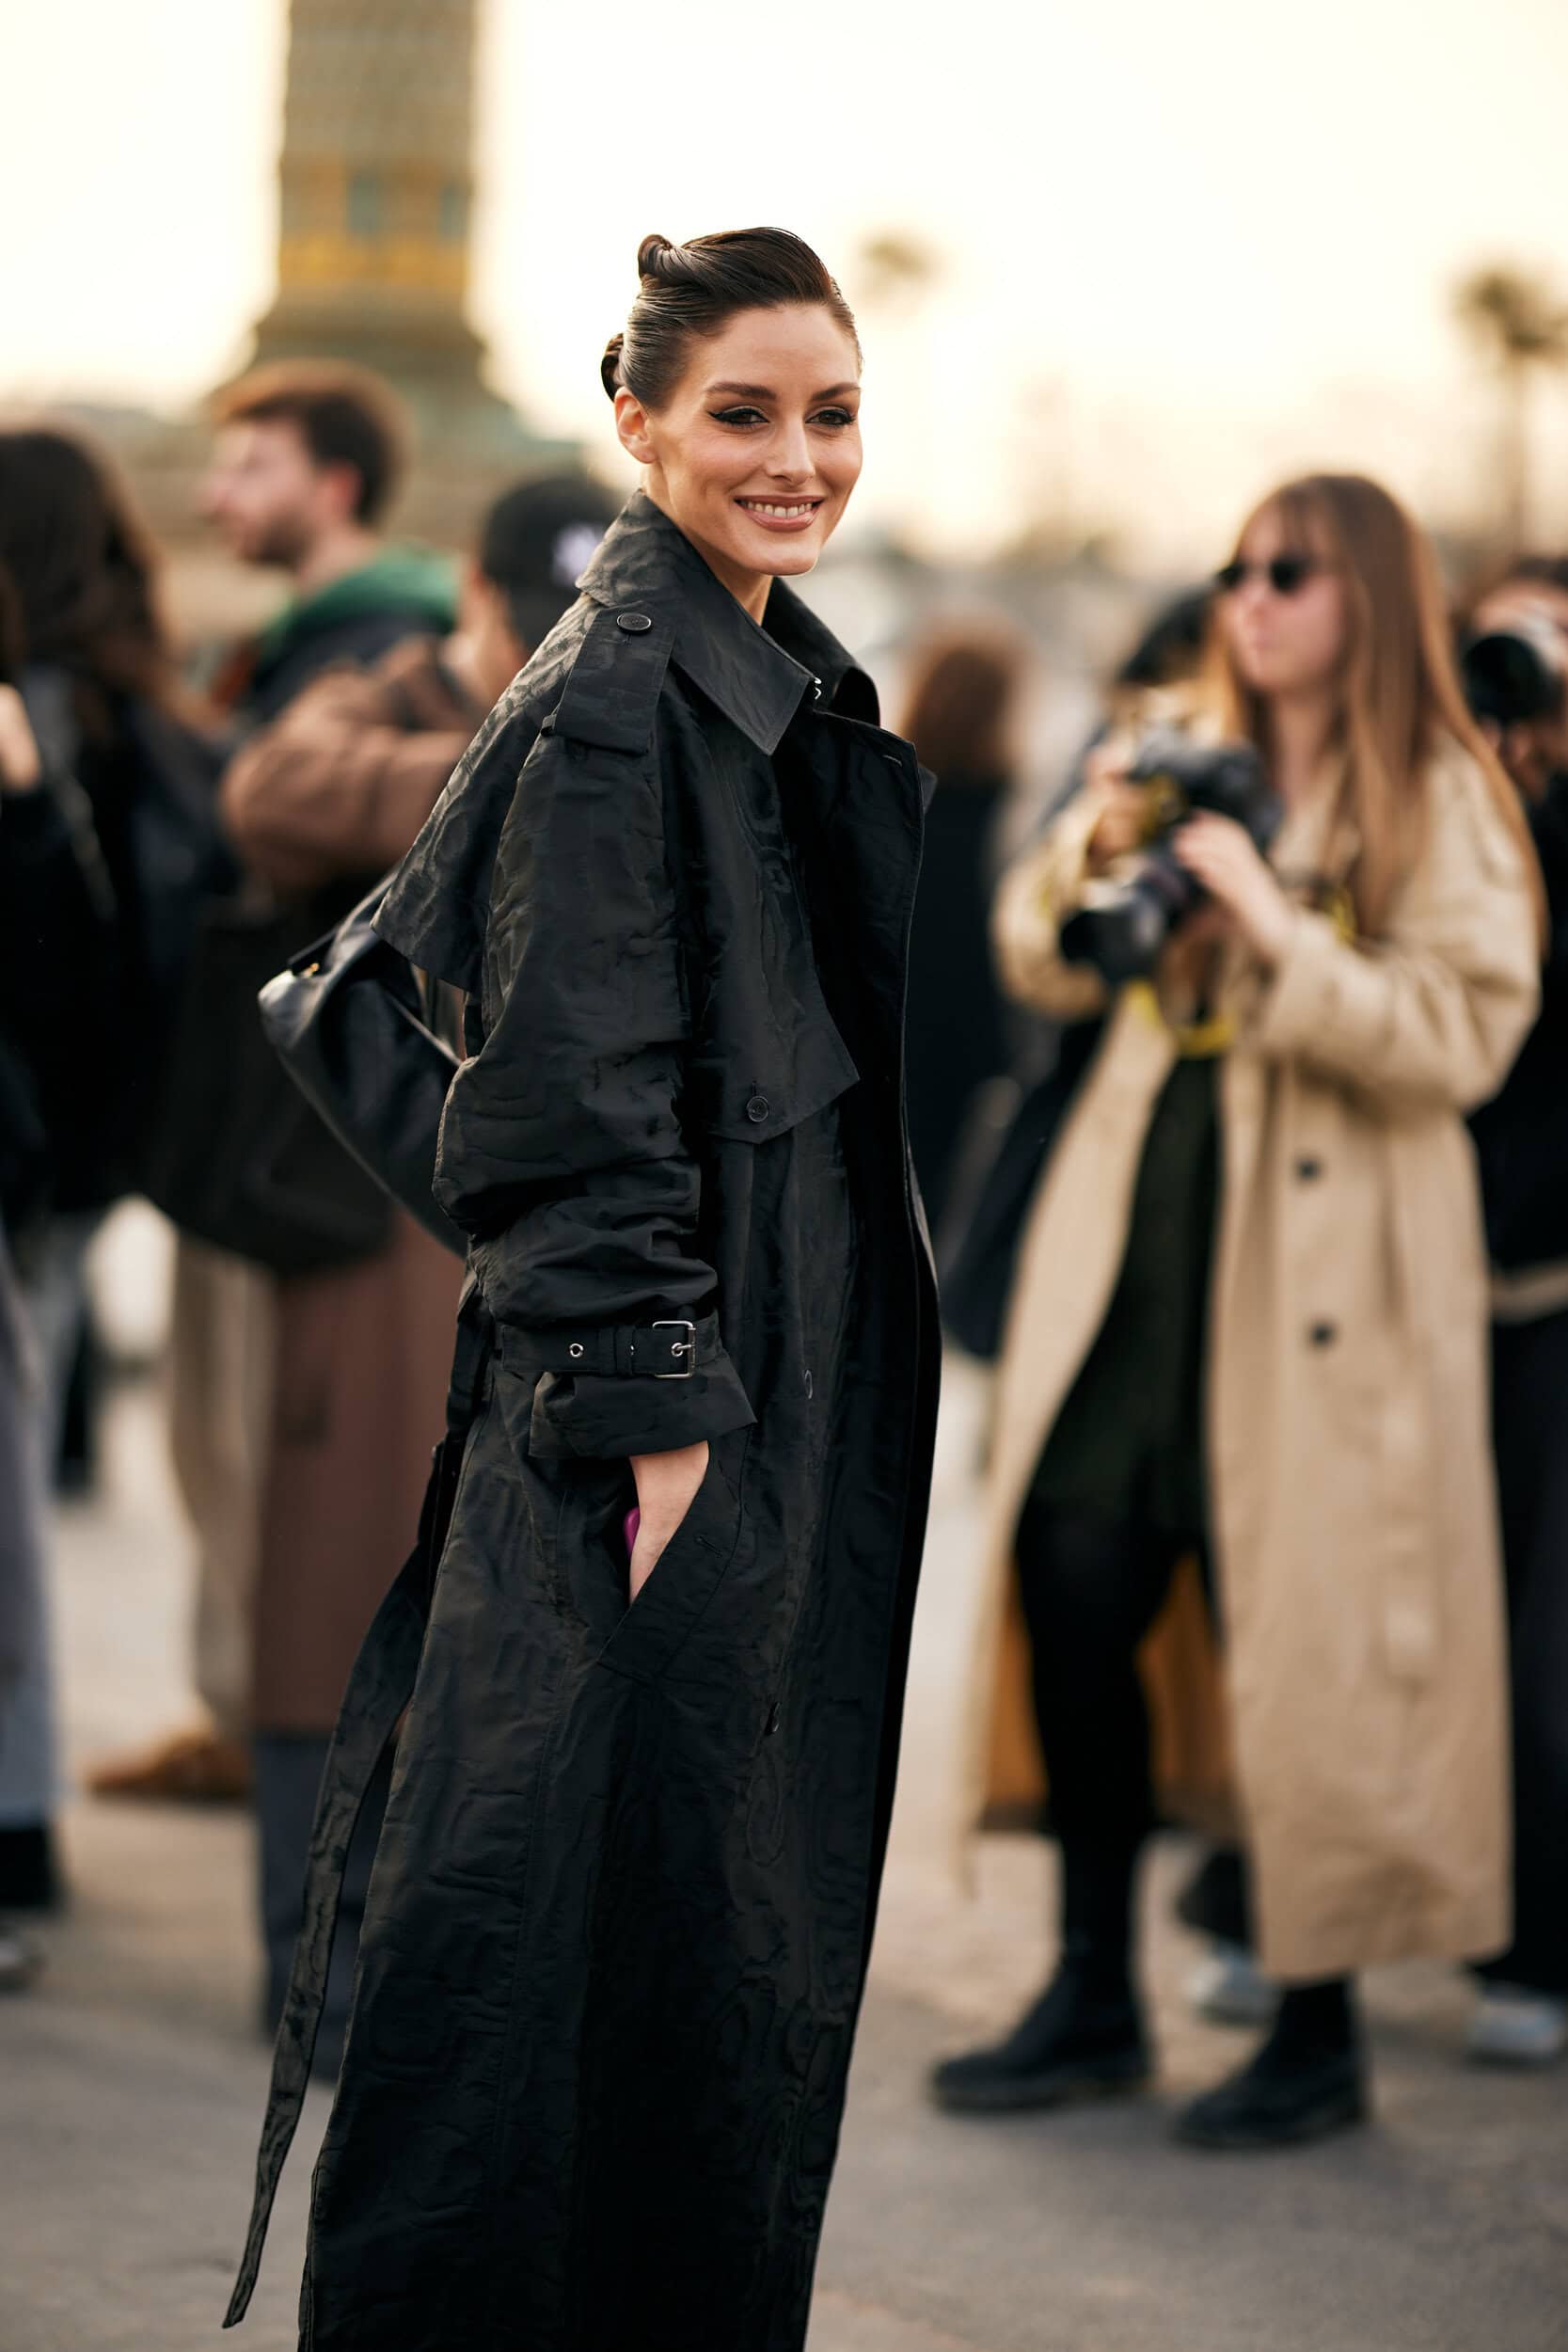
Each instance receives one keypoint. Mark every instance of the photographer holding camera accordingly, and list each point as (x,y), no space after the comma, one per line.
(1250,1317)
(1515,665)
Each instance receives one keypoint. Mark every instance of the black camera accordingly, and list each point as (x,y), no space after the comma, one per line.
(1514,676)
(1123,924)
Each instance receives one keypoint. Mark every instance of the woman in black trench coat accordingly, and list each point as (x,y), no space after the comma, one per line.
(618,1928)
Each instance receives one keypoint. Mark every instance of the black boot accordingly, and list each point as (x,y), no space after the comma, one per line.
(1308,2079)
(1083,2037)
(29,1869)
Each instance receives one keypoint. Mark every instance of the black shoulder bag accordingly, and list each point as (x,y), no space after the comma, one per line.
(236,1157)
(347,1020)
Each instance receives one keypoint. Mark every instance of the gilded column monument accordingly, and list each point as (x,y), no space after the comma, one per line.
(377,193)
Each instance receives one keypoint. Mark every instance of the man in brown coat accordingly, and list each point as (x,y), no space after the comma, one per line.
(337,787)
(307,460)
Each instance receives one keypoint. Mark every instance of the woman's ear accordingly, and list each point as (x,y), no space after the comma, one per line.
(631,423)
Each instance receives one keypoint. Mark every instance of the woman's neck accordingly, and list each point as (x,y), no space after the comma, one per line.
(749,589)
(1300,731)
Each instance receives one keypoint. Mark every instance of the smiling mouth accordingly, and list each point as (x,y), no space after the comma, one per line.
(779,510)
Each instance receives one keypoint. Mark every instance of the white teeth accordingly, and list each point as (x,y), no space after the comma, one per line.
(788,513)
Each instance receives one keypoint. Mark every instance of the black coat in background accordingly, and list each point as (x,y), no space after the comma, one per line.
(103,871)
(1522,1145)
(1521,1137)
(617,1935)
(958,1035)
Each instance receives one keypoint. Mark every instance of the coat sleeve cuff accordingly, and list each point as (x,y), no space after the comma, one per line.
(604,1418)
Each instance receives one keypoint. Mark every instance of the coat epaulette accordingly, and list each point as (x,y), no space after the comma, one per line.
(613,687)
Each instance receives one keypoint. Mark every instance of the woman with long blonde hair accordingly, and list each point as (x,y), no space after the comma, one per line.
(1250,1322)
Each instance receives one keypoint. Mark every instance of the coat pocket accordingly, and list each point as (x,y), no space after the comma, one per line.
(689,1571)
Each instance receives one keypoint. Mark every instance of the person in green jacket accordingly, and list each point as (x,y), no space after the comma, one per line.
(308,458)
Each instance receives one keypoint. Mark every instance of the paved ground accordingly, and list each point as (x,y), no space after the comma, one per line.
(132,2085)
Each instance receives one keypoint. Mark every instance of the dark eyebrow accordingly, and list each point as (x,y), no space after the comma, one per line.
(766,392)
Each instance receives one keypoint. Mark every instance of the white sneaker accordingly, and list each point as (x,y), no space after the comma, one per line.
(1515,2026)
(1226,1989)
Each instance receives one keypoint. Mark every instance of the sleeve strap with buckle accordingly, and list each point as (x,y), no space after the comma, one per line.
(669,1349)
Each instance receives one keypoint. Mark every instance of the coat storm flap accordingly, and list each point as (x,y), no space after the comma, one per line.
(618,1930)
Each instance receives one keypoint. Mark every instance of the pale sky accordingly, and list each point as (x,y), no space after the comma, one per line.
(1185,247)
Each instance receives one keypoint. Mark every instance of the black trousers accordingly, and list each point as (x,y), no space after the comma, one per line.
(1529,1420)
(1092,1587)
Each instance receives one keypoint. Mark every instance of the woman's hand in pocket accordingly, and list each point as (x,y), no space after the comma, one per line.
(666,1485)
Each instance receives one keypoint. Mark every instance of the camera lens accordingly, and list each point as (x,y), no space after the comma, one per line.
(1122,937)
(1511,677)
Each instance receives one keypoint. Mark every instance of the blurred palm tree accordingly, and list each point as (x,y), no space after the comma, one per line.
(1519,324)
(895,270)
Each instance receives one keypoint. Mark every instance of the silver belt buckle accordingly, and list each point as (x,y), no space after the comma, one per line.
(686,1347)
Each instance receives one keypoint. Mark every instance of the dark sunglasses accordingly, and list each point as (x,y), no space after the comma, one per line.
(1286,574)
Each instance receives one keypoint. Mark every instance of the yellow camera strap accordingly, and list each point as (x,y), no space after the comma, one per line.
(1195,1040)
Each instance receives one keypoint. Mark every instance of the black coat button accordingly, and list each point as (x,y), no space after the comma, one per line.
(1310,1170)
(757,1109)
(633,623)
(1323,1334)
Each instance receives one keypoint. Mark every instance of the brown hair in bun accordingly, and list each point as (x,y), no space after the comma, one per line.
(691,291)
(651,252)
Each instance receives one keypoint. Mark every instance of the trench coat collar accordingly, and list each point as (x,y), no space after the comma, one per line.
(759,677)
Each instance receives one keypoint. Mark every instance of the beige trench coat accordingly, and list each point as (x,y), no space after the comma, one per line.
(1352,1510)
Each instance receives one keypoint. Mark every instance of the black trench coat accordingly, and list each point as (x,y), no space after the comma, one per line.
(617,1932)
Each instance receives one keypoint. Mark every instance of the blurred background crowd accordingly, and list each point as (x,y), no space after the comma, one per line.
(256,596)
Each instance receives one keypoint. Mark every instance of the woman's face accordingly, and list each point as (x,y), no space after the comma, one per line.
(756,450)
(1286,627)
